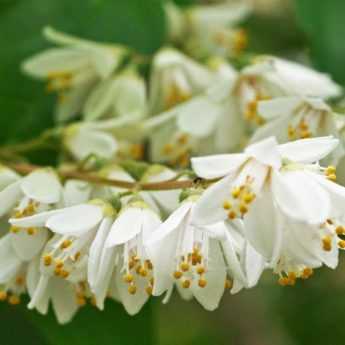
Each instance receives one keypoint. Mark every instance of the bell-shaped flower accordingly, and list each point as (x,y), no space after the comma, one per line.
(175,78)
(291,118)
(73,69)
(269,181)
(121,95)
(82,141)
(119,254)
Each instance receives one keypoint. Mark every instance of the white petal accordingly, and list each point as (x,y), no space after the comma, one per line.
(7,177)
(308,150)
(266,152)
(279,107)
(9,197)
(9,262)
(254,264)
(96,250)
(37,220)
(33,275)
(209,208)
(76,220)
(127,225)
(262,227)
(210,295)
(42,186)
(300,197)
(40,298)
(63,300)
(198,117)
(28,246)
(210,167)
(76,192)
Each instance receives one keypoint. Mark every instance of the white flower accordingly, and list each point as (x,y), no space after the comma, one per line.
(175,134)
(262,182)
(121,95)
(73,69)
(174,79)
(82,141)
(196,261)
(210,29)
(119,254)
(291,118)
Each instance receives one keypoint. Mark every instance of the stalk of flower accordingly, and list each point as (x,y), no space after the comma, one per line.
(72,70)
(119,255)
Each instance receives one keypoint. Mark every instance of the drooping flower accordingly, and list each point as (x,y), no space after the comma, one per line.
(72,70)
(268,180)
(196,261)
(119,254)
(291,118)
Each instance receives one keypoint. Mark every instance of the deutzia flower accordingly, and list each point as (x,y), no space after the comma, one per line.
(267,181)
(291,118)
(211,29)
(82,140)
(73,69)
(174,79)
(196,261)
(119,254)
(121,95)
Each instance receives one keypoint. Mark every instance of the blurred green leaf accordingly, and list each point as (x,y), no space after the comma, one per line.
(25,108)
(323,21)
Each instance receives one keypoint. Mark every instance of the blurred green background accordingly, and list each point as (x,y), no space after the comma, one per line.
(312,312)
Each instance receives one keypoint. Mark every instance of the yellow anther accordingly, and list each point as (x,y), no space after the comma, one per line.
(260,120)
(228,284)
(168,149)
(81,301)
(58,263)
(248,197)
(232,215)
(93,301)
(18,214)
(184,160)
(3,296)
(329,221)
(327,243)
(341,244)
(29,210)
(148,265)
(14,229)
(183,139)
(291,278)
(330,170)
(47,260)
(307,272)
(303,126)
(131,264)
(64,274)
(57,271)
(65,244)
(77,256)
(340,230)
(31,231)
(14,300)
(332,177)
(240,40)
(137,151)
(243,208)
(128,278)
(305,134)
(148,290)
(227,205)
(132,289)
(143,272)
(177,274)
(186,284)
(291,132)
(184,266)
(19,280)
(283,281)
(200,270)
(202,283)
(236,191)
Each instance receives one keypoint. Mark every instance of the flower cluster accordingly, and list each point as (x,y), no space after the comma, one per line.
(271,207)
(103,225)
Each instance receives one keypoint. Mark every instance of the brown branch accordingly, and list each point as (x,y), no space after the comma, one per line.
(23,168)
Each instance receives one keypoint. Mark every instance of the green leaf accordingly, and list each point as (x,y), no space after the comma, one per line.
(25,108)
(323,21)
